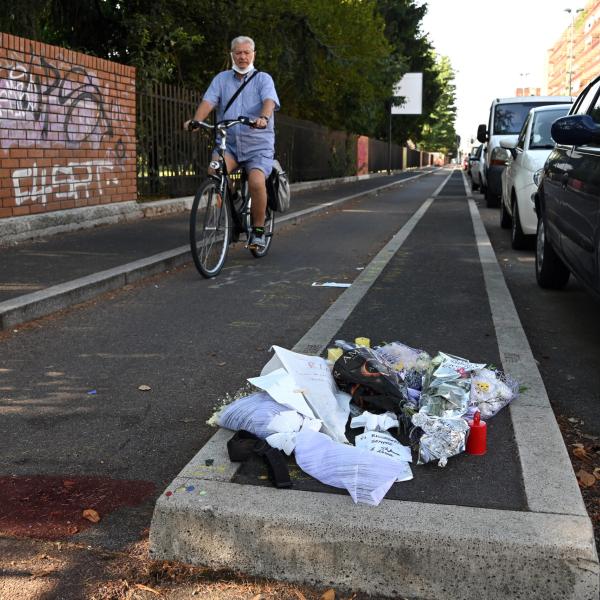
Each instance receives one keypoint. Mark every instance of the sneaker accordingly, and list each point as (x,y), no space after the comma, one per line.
(257,241)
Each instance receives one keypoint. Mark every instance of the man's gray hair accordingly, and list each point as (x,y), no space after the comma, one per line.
(242,39)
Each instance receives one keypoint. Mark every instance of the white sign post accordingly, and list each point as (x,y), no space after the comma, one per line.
(410,87)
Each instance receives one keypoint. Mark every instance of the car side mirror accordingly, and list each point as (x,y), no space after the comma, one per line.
(482,133)
(510,146)
(575,130)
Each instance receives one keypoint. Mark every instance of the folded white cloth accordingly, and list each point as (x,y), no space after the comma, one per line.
(366,476)
(373,422)
(286,425)
(253,413)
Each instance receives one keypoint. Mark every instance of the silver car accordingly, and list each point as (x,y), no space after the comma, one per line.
(477,171)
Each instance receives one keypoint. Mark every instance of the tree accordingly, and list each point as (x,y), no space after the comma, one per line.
(439,133)
(334,62)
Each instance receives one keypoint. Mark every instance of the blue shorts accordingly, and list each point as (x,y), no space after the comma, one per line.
(263,163)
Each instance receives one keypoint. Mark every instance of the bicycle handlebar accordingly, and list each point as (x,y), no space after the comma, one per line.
(226,124)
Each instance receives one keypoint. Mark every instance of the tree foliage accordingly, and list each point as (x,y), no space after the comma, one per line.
(334,61)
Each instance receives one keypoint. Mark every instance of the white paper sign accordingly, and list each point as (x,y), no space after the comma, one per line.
(383,443)
(312,378)
(280,385)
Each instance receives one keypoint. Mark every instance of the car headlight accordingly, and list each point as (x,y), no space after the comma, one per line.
(500,156)
(537,177)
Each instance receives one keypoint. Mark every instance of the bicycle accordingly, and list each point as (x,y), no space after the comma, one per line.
(219,216)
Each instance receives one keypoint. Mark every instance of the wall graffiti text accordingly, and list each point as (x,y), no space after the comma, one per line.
(73,181)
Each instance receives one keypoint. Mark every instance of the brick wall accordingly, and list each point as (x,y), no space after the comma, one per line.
(67,129)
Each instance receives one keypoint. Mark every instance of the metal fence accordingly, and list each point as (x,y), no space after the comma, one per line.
(172,162)
(308,151)
(379,156)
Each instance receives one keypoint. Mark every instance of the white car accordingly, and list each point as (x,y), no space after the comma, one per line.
(477,171)
(506,119)
(529,153)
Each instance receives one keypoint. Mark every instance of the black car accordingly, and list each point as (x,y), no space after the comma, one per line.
(568,199)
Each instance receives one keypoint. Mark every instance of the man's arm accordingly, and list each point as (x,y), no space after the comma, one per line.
(266,113)
(204,109)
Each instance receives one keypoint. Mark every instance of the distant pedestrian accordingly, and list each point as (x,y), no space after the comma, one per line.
(251,148)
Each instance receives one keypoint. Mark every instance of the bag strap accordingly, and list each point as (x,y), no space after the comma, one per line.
(239,91)
(244,444)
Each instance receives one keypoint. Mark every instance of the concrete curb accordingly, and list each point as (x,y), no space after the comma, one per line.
(38,304)
(407,549)
(19,229)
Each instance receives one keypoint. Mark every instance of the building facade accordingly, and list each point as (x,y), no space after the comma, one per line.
(575,58)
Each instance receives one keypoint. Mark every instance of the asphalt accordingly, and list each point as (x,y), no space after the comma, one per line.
(44,274)
(442,263)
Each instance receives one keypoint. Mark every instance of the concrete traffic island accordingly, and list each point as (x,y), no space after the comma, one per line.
(543,549)
(398,549)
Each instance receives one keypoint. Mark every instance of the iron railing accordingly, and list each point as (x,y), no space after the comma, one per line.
(172,162)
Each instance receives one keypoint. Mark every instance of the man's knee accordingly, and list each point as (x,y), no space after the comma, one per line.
(256,180)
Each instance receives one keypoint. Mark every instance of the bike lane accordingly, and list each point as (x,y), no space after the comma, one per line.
(193,341)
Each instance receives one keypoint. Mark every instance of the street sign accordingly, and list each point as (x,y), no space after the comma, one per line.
(411,88)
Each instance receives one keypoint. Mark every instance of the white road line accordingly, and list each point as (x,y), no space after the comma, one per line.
(549,482)
(320,334)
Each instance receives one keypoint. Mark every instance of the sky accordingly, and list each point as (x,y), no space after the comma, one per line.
(495,46)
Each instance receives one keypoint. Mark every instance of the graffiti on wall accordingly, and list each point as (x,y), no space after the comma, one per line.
(52,105)
(74,181)
(58,106)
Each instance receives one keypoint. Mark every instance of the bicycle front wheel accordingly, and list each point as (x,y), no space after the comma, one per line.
(210,229)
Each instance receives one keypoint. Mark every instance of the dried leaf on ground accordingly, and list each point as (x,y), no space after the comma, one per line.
(91,515)
(299,595)
(586,479)
(258,597)
(328,595)
(43,572)
(597,472)
(581,452)
(141,586)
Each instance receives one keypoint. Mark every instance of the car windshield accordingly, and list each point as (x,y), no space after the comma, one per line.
(509,118)
(542,124)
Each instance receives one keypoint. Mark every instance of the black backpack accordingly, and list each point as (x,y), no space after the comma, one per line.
(372,384)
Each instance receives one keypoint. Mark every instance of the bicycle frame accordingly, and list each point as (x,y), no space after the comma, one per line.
(221,174)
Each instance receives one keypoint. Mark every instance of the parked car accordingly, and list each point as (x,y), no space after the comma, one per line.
(568,198)
(506,119)
(477,161)
(529,153)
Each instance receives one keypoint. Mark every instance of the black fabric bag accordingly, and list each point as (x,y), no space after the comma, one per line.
(278,189)
(371,383)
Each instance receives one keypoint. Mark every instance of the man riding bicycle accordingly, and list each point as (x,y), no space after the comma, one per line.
(251,148)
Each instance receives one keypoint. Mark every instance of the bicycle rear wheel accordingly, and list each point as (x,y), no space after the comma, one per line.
(210,229)
(269,230)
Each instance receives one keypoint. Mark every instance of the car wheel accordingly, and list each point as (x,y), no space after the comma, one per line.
(491,199)
(505,219)
(519,241)
(550,271)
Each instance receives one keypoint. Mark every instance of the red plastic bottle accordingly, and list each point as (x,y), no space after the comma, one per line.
(477,440)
